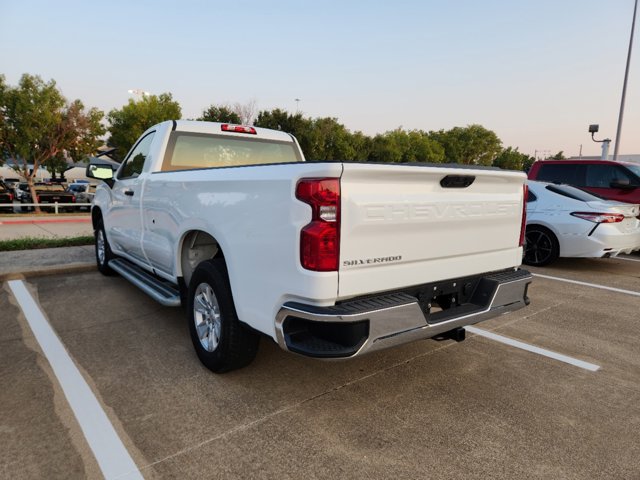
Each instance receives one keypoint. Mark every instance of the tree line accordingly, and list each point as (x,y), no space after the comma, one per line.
(39,126)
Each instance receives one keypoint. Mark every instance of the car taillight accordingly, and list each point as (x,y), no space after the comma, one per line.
(73,199)
(320,239)
(238,129)
(11,197)
(523,224)
(599,217)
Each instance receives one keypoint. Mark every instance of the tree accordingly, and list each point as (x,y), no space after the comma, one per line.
(131,121)
(511,159)
(558,156)
(221,114)
(385,148)
(330,140)
(470,145)
(361,145)
(57,165)
(296,125)
(402,146)
(245,111)
(527,163)
(38,125)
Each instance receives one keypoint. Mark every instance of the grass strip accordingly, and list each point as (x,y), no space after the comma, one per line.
(30,243)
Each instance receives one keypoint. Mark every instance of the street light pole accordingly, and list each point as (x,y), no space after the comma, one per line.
(624,85)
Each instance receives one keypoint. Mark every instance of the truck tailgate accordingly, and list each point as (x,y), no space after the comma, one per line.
(402,225)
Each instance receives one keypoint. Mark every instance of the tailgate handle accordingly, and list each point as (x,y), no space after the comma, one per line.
(457,181)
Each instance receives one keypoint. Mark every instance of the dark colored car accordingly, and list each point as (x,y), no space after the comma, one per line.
(605,178)
(6,196)
(50,194)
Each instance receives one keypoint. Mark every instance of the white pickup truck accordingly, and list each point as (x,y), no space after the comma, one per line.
(330,260)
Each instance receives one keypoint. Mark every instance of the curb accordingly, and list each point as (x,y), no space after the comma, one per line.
(53,270)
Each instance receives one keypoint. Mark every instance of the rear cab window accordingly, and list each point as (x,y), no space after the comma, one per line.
(186,151)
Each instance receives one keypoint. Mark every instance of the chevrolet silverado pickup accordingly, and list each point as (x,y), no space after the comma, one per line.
(328,259)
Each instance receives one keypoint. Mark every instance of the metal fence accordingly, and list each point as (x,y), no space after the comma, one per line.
(45,206)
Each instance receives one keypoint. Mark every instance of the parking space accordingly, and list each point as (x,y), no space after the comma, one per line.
(476,409)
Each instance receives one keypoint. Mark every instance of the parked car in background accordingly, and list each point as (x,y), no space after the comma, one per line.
(22,191)
(84,193)
(48,195)
(608,179)
(564,221)
(6,197)
(11,183)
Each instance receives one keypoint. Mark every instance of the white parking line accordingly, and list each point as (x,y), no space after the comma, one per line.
(628,259)
(112,456)
(594,285)
(530,348)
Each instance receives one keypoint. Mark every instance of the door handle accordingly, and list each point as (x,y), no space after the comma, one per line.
(129,193)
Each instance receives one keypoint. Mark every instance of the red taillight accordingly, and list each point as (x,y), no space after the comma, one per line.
(523,225)
(73,199)
(320,239)
(599,217)
(238,129)
(11,197)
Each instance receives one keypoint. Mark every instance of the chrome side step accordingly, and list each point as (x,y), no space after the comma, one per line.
(160,291)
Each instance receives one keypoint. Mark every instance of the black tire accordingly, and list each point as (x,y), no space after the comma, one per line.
(102,260)
(541,246)
(229,344)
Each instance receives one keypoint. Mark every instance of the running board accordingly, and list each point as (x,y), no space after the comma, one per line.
(160,291)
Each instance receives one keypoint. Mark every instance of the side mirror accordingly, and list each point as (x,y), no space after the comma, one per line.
(621,183)
(101,171)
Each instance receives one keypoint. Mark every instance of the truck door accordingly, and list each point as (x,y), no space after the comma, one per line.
(124,222)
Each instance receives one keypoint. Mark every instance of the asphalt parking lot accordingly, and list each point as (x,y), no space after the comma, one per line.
(477,409)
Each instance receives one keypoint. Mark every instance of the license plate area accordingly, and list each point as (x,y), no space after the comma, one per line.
(438,297)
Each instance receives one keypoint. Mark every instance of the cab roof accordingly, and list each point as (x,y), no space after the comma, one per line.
(195,126)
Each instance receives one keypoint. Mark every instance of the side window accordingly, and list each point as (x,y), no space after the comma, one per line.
(563,173)
(601,176)
(135,161)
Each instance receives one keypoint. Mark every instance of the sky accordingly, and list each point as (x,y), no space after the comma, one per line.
(535,72)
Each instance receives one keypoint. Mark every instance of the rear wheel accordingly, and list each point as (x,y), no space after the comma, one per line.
(221,341)
(541,247)
(103,250)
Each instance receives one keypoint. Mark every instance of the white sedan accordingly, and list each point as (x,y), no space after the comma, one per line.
(564,221)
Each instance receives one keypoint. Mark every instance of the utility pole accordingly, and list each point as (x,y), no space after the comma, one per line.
(624,85)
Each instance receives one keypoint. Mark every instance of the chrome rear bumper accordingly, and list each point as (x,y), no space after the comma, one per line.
(362,326)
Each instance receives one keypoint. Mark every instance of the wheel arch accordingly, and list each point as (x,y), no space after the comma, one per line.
(194,247)
(551,229)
